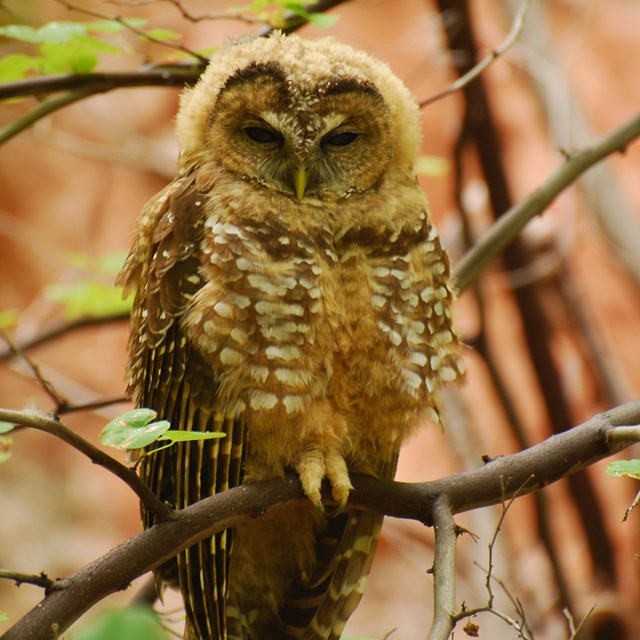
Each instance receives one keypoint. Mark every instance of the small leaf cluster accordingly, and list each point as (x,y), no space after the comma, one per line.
(275,13)
(93,293)
(67,47)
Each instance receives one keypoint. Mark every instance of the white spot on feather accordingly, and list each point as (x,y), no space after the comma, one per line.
(223,310)
(231,356)
(283,352)
(259,400)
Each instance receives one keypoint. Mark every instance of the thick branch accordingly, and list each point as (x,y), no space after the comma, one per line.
(511,223)
(149,76)
(555,458)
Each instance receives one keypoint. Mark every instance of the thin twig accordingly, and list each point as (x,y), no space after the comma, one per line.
(43,423)
(42,110)
(68,407)
(574,634)
(38,580)
(511,223)
(62,404)
(46,385)
(520,626)
(230,14)
(473,73)
(51,333)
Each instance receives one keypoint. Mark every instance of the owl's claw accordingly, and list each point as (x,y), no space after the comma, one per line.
(314,466)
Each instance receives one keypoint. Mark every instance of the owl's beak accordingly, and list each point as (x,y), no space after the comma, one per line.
(300,180)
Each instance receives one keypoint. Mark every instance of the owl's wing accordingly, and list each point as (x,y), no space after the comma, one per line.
(167,374)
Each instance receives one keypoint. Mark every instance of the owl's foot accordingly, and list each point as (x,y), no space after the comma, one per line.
(317,464)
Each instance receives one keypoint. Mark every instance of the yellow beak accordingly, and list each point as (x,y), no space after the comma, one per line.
(300,181)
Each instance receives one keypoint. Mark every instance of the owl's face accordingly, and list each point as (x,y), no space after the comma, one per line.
(332,138)
(303,118)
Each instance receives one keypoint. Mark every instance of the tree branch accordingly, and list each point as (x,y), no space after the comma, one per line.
(177,75)
(40,580)
(55,331)
(129,476)
(503,478)
(511,223)
(444,571)
(473,73)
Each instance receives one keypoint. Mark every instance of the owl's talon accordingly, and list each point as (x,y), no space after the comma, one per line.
(314,466)
(338,475)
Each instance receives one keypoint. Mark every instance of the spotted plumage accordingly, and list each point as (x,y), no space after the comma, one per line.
(292,292)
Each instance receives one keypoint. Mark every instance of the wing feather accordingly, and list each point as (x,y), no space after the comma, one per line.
(168,375)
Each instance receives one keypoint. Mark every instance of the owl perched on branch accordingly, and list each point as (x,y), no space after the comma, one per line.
(290,291)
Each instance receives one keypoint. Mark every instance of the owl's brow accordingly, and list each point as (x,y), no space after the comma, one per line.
(350,85)
(270,72)
(265,70)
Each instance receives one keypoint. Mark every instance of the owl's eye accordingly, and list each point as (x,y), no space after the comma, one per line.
(341,139)
(264,136)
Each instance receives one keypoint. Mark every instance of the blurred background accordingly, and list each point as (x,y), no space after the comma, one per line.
(553,327)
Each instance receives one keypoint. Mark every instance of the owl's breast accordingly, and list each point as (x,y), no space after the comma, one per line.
(286,319)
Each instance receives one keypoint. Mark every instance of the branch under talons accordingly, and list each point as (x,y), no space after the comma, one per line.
(505,477)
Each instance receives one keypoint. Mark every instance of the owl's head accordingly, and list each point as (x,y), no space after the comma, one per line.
(302,117)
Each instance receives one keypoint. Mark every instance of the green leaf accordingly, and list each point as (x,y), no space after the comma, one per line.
(5,427)
(20,32)
(318,19)
(8,318)
(187,436)
(209,51)
(163,34)
(132,623)
(64,31)
(113,26)
(16,66)
(133,430)
(433,166)
(322,20)
(94,44)
(66,57)
(109,263)
(58,32)
(88,299)
(134,418)
(630,468)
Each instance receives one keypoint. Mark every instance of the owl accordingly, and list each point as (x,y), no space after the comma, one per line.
(291,292)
